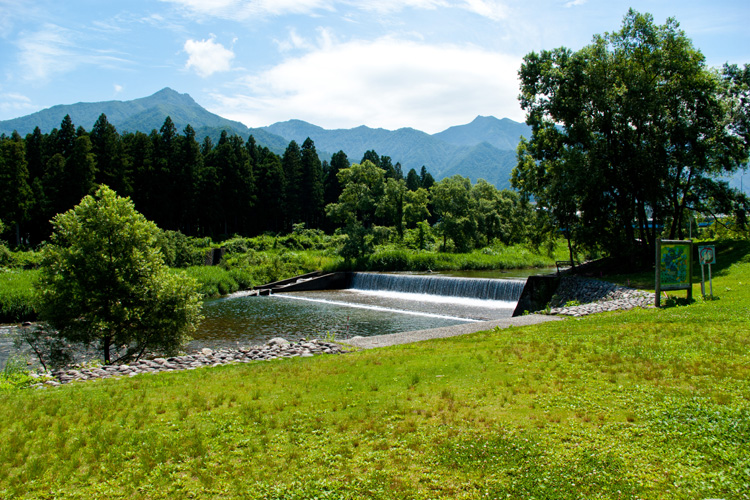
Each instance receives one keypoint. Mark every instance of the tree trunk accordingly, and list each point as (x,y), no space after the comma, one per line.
(106,343)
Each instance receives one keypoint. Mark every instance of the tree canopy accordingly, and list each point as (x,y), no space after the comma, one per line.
(628,134)
(104,281)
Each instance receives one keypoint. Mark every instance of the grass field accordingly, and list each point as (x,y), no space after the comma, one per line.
(639,404)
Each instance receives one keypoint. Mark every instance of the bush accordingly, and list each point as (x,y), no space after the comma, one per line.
(180,250)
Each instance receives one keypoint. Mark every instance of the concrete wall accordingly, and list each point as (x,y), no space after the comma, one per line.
(537,293)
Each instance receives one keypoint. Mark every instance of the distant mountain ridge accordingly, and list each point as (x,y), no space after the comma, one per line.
(484,148)
(144,115)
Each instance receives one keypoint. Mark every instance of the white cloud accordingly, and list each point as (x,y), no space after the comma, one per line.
(252,9)
(46,52)
(293,42)
(491,9)
(207,57)
(118,88)
(55,50)
(575,3)
(387,83)
(15,104)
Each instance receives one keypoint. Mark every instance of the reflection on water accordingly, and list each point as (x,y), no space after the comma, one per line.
(241,320)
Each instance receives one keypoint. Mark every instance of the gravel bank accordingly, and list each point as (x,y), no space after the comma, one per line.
(274,349)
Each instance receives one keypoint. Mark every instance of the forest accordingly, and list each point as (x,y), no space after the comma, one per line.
(239,188)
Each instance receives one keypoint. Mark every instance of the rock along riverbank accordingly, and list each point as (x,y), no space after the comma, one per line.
(595,296)
(277,348)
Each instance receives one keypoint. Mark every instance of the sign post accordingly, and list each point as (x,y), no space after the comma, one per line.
(674,267)
(707,256)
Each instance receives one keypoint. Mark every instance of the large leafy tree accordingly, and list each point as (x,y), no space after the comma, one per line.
(356,209)
(628,133)
(454,207)
(103,281)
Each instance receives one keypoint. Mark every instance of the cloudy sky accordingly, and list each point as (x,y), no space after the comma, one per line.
(426,64)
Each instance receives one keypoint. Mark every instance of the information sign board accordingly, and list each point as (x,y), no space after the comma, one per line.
(674,266)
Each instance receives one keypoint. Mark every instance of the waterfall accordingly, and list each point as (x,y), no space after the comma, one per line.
(474,288)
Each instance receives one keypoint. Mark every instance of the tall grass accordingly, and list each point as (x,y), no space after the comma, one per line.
(16,295)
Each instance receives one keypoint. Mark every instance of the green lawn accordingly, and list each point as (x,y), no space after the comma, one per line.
(639,404)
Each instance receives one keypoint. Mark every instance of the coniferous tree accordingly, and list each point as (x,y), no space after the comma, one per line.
(15,193)
(139,149)
(413,182)
(270,191)
(387,165)
(331,185)
(371,155)
(190,163)
(398,170)
(66,137)
(312,182)
(80,172)
(292,163)
(425,178)
(111,163)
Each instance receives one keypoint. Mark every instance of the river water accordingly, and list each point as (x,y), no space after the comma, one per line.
(241,320)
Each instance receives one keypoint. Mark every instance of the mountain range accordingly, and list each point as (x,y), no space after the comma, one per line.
(484,148)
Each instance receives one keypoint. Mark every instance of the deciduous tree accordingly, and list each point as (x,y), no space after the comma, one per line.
(103,281)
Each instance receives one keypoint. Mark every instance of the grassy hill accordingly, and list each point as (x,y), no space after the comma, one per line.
(639,404)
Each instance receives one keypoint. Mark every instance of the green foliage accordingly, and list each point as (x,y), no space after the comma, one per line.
(14,375)
(104,280)
(180,250)
(640,95)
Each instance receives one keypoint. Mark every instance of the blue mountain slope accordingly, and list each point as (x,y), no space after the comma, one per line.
(484,148)
(145,115)
(503,134)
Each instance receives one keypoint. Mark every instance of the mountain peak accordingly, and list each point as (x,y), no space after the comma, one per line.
(502,134)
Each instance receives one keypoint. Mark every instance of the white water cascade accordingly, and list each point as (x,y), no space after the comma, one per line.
(505,290)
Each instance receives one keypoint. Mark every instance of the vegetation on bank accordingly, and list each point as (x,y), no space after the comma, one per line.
(249,262)
(637,404)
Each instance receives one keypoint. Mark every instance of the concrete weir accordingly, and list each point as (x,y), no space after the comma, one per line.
(535,294)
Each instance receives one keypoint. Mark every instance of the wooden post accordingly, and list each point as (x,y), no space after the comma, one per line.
(657,277)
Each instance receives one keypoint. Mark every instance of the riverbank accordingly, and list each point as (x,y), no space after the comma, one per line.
(275,349)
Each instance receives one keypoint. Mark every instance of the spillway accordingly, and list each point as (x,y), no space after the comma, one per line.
(471,288)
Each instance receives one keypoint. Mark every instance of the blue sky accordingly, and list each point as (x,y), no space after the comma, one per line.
(426,64)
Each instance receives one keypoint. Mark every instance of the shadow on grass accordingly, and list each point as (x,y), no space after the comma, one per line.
(728,252)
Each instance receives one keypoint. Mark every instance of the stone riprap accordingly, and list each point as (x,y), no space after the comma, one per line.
(596,296)
(274,349)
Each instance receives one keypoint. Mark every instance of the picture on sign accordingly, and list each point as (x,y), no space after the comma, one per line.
(675,265)
(707,254)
